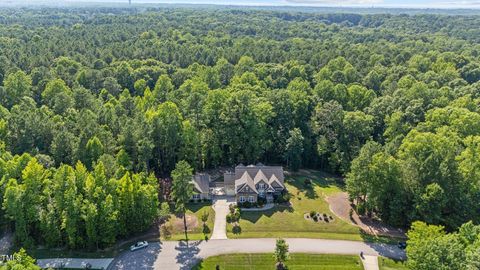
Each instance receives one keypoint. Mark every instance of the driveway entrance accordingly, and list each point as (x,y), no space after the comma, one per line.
(221,206)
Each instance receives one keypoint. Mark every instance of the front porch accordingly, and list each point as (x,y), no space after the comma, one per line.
(268,196)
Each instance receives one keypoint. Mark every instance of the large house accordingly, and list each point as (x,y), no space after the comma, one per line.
(248,183)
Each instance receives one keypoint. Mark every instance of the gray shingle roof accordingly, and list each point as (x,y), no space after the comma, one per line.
(201,182)
(251,175)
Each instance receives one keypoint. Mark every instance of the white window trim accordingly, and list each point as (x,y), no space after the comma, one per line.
(251,199)
(196,196)
(242,199)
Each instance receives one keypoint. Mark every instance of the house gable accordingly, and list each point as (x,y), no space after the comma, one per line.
(265,183)
(246,189)
(249,178)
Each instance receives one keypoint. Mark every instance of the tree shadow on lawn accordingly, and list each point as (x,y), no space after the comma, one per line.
(254,216)
(299,183)
(317,179)
(195,207)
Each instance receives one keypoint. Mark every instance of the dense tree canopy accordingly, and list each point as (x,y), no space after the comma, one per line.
(98,102)
(430,247)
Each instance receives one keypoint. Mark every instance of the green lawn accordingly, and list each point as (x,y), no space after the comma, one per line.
(267,262)
(283,221)
(196,232)
(389,264)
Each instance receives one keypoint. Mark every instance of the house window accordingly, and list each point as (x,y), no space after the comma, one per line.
(261,186)
(242,199)
(251,199)
(196,196)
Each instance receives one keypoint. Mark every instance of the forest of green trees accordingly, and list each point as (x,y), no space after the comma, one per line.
(97,104)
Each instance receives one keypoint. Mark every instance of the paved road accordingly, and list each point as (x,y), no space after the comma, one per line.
(6,241)
(221,207)
(172,255)
(74,263)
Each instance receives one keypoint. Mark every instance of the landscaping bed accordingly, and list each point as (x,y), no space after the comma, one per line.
(318,217)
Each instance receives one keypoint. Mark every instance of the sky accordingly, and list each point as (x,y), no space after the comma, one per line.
(335,3)
(363,3)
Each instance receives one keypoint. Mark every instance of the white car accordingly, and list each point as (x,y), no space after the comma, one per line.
(139,245)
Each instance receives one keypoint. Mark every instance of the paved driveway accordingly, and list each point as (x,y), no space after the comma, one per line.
(172,255)
(221,206)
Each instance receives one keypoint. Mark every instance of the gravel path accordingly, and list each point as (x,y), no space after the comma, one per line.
(340,206)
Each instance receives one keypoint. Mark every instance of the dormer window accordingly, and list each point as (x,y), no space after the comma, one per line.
(261,186)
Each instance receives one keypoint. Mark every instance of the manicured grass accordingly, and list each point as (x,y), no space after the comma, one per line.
(289,221)
(389,264)
(267,262)
(195,233)
(381,239)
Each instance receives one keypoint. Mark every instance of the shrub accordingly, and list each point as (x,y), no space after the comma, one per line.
(307,183)
(205,216)
(315,218)
(166,230)
(206,229)
(236,229)
(164,211)
(283,197)
(361,209)
(234,215)
(261,201)
(232,208)
(246,205)
(313,213)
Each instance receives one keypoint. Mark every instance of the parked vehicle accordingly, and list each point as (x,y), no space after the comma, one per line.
(139,245)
